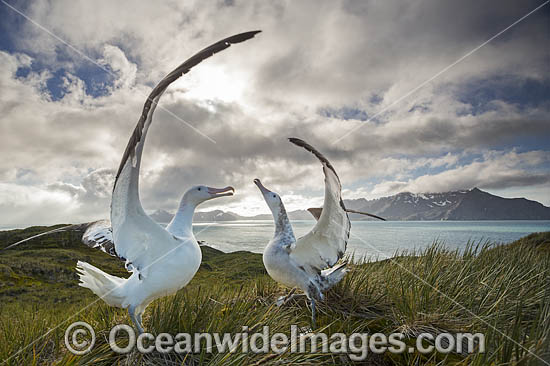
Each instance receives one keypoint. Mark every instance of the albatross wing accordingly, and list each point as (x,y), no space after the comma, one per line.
(99,235)
(136,236)
(316,213)
(326,243)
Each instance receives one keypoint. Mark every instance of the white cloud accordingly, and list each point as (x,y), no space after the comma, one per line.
(117,61)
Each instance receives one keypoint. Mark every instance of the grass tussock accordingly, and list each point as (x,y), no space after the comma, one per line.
(501,291)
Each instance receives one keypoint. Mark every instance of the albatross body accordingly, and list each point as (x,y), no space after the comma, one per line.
(161,260)
(310,262)
(165,275)
(166,261)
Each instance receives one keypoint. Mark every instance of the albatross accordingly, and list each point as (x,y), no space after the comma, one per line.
(161,260)
(309,263)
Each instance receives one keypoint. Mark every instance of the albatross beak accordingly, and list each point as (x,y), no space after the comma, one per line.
(261,186)
(220,192)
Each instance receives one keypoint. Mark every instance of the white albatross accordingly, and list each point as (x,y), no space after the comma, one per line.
(310,262)
(161,261)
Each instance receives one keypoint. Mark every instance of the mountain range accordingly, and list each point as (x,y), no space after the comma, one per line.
(473,204)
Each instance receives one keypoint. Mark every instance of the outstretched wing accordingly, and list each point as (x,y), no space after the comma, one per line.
(366,214)
(136,236)
(326,243)
(135,145)
(316,213)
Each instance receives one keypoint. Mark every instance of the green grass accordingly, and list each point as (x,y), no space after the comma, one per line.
(502,291)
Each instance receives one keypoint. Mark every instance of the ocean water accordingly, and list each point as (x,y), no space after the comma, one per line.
(373,239)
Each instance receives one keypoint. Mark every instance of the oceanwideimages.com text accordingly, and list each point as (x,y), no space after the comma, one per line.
(80,339)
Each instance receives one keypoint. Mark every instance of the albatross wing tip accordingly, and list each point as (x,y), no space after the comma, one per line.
(241,37)
(254,32)
(296,141)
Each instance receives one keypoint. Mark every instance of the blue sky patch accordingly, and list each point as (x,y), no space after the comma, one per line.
(524,93)
(345,113)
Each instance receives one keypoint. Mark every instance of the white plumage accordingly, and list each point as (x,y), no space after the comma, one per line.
(161,260)
(309,262)
(325,244)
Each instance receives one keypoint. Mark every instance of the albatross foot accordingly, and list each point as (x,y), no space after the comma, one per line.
(280,301)
(283,300)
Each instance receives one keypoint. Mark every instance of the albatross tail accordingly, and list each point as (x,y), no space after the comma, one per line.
(104,285)
(332,276)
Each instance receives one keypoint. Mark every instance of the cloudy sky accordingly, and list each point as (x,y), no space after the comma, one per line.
(350,77)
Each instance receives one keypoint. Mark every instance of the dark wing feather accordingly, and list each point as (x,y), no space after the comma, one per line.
(99,235)
(311,149)
(366,214)
(316,213)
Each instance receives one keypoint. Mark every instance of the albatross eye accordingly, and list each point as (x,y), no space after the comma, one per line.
(274,196)
(199,188)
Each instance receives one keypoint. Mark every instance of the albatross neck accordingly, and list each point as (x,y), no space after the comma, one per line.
(182,222)
(282,223)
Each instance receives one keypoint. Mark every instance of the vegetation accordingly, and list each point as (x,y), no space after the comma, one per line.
(502,291)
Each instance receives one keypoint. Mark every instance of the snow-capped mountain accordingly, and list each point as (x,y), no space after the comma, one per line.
(473,204)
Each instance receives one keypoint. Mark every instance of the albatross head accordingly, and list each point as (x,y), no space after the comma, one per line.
(181,224)
(275,204)
(198,194)
(272,199)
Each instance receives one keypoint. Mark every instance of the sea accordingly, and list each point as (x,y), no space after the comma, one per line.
(373,240)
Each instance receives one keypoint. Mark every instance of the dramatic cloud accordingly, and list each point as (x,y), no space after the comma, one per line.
(318,70)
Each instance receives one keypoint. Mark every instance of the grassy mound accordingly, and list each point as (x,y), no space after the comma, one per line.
(501,291)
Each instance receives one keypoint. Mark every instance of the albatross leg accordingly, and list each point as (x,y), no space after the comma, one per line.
(135,319)
(140,321)
(313,313)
